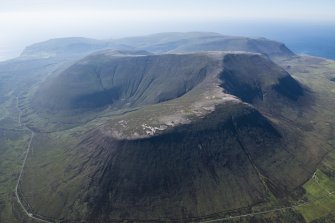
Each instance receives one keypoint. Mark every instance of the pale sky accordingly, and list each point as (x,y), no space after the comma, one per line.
(23,22)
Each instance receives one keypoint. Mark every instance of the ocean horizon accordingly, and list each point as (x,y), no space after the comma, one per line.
(7,53)
(310,39)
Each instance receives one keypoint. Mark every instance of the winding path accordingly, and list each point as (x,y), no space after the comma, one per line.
(30,215)
(34,217)
(255,213)
(314,177)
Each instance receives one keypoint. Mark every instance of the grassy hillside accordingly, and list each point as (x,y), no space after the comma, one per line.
(121,82)
(229,159)
(253,78)
(157,43)
(108,83)
(228,136)
(12,148)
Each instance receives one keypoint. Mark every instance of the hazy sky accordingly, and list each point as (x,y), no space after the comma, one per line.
(23,22)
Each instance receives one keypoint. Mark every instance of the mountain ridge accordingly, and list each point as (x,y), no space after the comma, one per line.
(132,135)
(158,43)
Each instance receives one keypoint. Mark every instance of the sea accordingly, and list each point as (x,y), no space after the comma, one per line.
(7,52)
(316,39)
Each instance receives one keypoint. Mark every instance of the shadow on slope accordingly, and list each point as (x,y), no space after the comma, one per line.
(252,77)
(101,81)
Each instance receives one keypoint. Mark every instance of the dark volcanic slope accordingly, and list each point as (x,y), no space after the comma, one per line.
(104,80)
(251,78)
(190,171)
(131,79)
(196,146)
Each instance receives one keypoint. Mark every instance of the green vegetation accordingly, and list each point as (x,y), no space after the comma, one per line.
(13,145)
(320,192)
(183,148)
(259,152)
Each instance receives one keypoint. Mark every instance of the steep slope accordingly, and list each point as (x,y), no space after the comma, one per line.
(203,150)
(127,81)
(191,171)
(251,78)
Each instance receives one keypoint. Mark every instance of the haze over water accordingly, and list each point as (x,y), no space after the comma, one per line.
(304,26)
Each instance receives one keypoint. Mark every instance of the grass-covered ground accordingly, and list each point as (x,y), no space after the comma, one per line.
(320,192)
(55,147)
(317,73)
(13,145)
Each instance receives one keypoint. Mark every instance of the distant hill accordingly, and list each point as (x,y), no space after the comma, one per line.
(159,43)
(68,47)
(192,42)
